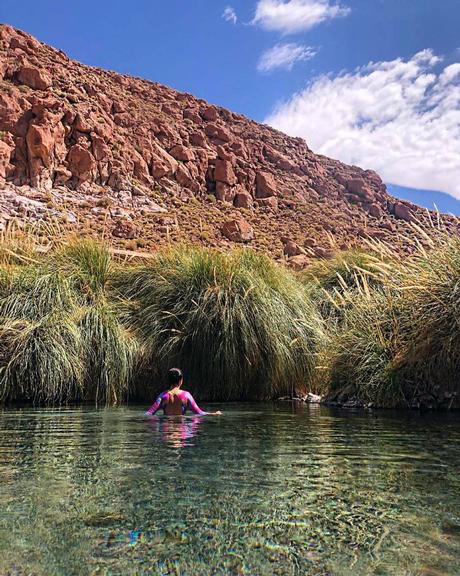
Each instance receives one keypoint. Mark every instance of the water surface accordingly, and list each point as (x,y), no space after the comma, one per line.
(262,490)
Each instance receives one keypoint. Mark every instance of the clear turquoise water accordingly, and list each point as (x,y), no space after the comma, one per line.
(262,490)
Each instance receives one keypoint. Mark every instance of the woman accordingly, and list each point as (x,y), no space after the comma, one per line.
(175,401)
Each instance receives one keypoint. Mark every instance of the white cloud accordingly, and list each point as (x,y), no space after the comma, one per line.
(400,118)
(229,15)
(292,16)
(284,56)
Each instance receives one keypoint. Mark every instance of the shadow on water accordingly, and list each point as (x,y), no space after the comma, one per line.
(264,489)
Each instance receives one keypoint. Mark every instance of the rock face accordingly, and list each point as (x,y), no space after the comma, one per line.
(99,150)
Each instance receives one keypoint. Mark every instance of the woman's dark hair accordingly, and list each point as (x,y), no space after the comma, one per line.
(174,376)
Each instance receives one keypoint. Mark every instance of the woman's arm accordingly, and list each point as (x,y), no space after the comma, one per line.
(193,406)
(155,406)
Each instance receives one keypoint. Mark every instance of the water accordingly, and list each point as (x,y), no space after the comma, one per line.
(262,490)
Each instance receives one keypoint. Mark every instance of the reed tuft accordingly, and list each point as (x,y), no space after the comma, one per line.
(239,325)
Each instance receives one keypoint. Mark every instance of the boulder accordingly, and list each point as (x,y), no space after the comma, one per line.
(374,177)
(270,202)
(360,188)
(198,139)
(192,114)
(223,172)
(162,163)
(40,143)
(124,229)
(224,192)
(210,113)
(216,132)
(61,176)
(321,252)
(290,248)
(81,162)
(34,78)
(355,185)
(185,179)
(265,185)
(100,149)
(403,212)
(238,230)
(10,113)
(354,199)
(243,200)
(182,153)
(170,108)
(279,159)
(374,210)
(225,154)
(81,124)
(5,156)
(299,262)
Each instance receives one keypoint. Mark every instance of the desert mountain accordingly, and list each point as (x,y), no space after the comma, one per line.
(101,152)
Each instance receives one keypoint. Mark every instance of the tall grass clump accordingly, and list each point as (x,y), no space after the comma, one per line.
(240,326)
(398,343)
(62,335)
(332,281)
(363,356)
(110,353)
(110,348)
(41,360)
(40,356)
(430,302)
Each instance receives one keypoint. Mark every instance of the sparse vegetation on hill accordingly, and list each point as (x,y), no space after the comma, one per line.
(147,166)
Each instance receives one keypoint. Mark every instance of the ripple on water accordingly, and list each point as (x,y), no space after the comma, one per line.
(261,490)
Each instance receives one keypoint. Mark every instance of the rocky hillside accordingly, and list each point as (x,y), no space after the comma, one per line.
(101,152)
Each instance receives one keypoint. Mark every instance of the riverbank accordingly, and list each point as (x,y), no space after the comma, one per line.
(79,322)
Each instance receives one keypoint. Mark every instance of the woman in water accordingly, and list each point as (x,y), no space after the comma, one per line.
(175,401)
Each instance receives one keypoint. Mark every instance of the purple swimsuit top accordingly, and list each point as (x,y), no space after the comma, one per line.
(186,399)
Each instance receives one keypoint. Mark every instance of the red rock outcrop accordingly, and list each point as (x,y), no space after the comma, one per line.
(102,151)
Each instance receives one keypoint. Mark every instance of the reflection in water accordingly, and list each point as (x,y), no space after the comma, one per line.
(177,431)
(262,490)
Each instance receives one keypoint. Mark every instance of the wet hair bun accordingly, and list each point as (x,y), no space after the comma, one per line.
(175,376)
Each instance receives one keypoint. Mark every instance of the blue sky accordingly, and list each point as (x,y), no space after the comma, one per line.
(282,61)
